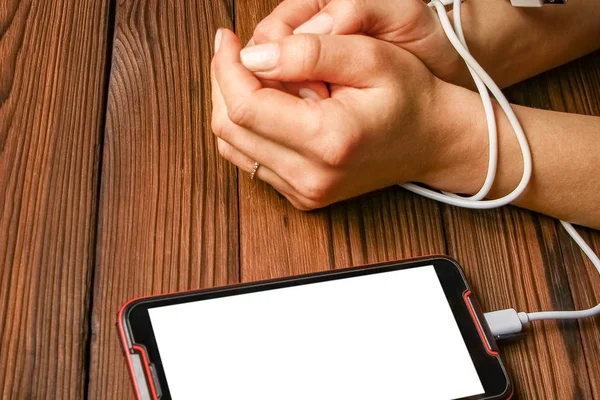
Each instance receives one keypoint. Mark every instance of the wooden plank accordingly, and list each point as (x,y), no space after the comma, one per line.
(585,286)
(514,258)
(390,225)
(576,88)
(52,90)
(168,208)
(277,240)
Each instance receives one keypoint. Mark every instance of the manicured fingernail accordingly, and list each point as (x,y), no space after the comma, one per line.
(306,93)
(218,38)
(261,57)
(321,24)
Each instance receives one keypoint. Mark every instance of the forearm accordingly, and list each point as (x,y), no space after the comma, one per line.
(565,149)
(513,44)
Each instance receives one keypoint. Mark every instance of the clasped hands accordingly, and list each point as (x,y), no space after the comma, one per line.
(338,98)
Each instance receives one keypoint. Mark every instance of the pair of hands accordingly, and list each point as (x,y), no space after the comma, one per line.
(378,122)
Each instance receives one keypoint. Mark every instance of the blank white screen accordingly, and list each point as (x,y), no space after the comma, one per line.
(381,336)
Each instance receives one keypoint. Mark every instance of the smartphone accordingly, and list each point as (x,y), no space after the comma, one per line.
(400,330)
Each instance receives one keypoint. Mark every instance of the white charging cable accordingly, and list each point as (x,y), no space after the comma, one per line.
(503,322)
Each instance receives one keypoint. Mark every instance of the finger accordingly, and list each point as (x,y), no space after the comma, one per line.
(346,17)
(372,18)
(246,164)
(263,173)
(412,26)
(342,60)
(278,116)
(284,19)
(283,160)
(281,23)
(305,90)
(226,61)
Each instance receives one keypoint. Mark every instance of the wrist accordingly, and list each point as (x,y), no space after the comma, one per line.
(453,68)
(459,144)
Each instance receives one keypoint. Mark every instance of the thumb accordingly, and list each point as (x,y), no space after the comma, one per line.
(409,24)
(352,61)
(385,20)
(343,17)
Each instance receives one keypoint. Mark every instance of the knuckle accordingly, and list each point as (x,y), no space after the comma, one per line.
(223,149)
(334,155)
(376,55)
(300,205)
(217,126)
(339,149)
(303,207)
(310,205)
(316,190)
(240,113)
(311,47)
(317,121)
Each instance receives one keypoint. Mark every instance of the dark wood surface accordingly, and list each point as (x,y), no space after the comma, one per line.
(168,216)
(111,188)
(52,90)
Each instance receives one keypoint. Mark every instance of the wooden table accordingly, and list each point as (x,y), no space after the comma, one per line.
(111,188)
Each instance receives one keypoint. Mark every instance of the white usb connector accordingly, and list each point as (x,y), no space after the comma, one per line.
(535,3)
(506,322)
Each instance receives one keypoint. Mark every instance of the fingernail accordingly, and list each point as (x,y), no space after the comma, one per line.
(261,57)
(218,38)
(307,93)
(321,24)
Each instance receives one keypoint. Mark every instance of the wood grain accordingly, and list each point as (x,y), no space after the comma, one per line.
(168,207)
(170,217)
(585,288)
(52,90)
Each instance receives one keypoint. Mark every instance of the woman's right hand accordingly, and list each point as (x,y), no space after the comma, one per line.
(409,24)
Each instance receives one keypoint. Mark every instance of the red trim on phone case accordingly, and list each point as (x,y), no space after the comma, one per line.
(484,339)
(146,366)
(140,349)
(126,348)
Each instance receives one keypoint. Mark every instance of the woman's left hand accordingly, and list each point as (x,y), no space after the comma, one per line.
(377,129)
